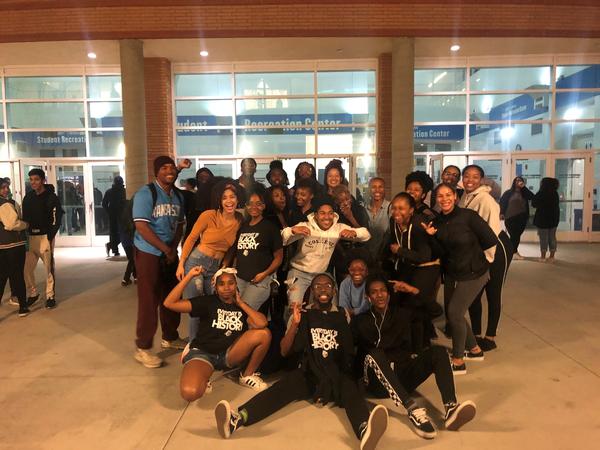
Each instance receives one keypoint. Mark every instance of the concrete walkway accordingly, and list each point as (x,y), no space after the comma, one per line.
(68,378)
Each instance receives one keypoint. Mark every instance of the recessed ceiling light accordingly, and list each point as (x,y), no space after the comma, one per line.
(204,53)
(91,55)
(455,48)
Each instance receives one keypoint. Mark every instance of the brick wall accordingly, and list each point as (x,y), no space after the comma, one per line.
(301,18)
(159,109)
(384,120)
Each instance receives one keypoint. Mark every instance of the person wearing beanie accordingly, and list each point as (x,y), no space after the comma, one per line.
(158,229)
(113,203)
(276,175)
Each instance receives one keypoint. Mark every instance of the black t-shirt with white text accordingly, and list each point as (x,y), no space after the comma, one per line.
(220,323)
(255,247)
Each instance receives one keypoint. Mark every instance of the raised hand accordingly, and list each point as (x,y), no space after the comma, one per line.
(296,313)
(348,234)
(429,228)
(299,229)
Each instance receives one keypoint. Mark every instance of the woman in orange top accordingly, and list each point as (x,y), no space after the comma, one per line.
(217,230)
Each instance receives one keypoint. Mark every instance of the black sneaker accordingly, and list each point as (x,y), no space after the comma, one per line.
(470,356)
(50,303)
(458,414)
(459,369)
(421,423)
(487,345)
(125,283)
(373,429)
(24,311)
(32,300)
(227,421)
(107,248)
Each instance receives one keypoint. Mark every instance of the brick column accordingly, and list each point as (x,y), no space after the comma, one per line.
(384,120)
(403,63)
(159,110)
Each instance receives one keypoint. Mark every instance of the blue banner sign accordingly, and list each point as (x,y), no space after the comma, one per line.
(439,132)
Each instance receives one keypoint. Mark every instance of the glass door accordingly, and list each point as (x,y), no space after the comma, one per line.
(436,166)
(595,226)
(570,172)
(532,169)
(70,181)
(102,176)
(494,167)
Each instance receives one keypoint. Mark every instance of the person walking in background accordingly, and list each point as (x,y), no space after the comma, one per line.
(158,218)
(113,203)
(126,236)
(12,247)
(547,216)
(43,212)
(514,210)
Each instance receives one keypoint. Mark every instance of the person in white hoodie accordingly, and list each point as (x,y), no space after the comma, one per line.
(478,198)
(319,236)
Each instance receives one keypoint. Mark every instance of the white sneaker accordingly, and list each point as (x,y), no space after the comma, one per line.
(374,429)
(13,301)
(178,344)
(518,257)
(147,358)
(254,382)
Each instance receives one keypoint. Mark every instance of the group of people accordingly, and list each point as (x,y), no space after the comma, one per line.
(307,278)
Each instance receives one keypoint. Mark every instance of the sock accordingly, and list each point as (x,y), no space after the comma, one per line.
(244,415)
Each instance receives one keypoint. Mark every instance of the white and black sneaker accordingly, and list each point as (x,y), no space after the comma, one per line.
(470,356)
(458,414)
(459,369)
(253,381)
(227,421)
(422,426)
(372,431)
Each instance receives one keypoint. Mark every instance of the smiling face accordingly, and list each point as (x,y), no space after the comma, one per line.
(378,295)
(324,217)
(279,199)
(334,178)
(229,201)
(471,179)
(451,175)
(358,272)
(303,197)
(416,191)
(36,182)
(344,200)
(255,206)
(4,190)
(446,198)
(377,188)
(323,289)
(226,287)
(167,174)
(401,211)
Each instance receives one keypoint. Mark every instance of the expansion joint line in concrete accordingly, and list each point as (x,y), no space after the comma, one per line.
(175,426)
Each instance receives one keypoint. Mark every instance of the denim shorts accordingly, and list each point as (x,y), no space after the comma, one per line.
(217,361)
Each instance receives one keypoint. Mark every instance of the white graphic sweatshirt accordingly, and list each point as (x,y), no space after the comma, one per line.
(315,250)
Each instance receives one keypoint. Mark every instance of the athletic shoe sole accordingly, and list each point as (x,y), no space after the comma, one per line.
(146,364)
(375,428)
(223,417)
(464,414)
(476,358)
(421,433)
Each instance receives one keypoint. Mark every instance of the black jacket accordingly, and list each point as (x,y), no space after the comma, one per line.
(525,193)
(463,236)
(114,200)
(547,213)
(43,212)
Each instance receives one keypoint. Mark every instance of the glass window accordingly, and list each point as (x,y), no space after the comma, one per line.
(107,143)
(439,138)
(278,108)
(596,195)
(510,107)
(491,167)
(45,115)
(510,78)
(3,147)
(44,87)
(275,83)
(105,114)
(220,169)
(571,191)
(577,135)
(1,116)
(577,105)
(576,77)
(440,108)
(47,144)
(346,140)
(274,143)
(204,142)
(203,85)
(104,87)
(346,110)
(440,80)
(346,82)
(191,113)
(505,137)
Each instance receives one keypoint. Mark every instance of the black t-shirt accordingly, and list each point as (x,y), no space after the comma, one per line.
(255,247)
(220,323)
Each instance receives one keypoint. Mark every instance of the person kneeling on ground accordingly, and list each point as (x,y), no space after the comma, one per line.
(389,367)
(229,333)
(322,335)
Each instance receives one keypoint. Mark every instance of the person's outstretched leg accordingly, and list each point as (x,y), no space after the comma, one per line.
(252,346)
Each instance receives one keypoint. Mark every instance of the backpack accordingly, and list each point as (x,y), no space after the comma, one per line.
(127,212)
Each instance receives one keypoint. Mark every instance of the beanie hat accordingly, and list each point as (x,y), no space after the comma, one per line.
(161,161)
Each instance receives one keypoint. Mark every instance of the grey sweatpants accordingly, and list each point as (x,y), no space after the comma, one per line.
(461,295)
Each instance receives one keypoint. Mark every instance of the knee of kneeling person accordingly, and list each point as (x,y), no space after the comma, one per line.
(191,393)
(261,334)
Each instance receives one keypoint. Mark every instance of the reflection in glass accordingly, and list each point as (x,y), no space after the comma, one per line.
(220,169)
(286,111)
(203,85)
(577,135)
(107,143)
(440,80)
(440,108)
(202,113)
(70,190)
(104,87)
(346,82)
(439,138)
(105,114)
(506,137)
(346,110)
(204,142)
(570,175)
(347,140)
(274,83)
(510,78)
(510,107)
(44,88)
(3,147)
(577,105)
(596,195)
(47,144)
(578,77)
(45,115)
(493,172)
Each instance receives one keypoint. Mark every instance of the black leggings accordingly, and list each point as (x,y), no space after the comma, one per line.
(493,289)
(516,226)
(12,263)
(397,383)
(296,386)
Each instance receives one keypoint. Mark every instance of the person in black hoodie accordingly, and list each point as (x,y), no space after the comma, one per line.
(322,335)
(113,203)
(418,184)
(389,366)
(463,236)
(43,213)
(547,216)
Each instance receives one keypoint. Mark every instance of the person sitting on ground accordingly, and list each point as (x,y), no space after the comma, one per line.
(319,236)
(389,367)
(230,333)
(322,335)
(352,289)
